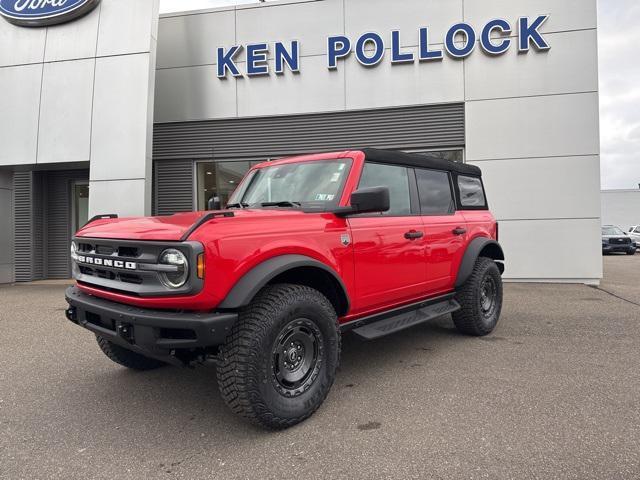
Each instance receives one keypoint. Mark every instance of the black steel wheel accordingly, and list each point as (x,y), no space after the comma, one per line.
(280,359)
(296,357)
(480,299)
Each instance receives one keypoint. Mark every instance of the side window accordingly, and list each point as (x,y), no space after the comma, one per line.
(435,193)
(393,177)
(471,192)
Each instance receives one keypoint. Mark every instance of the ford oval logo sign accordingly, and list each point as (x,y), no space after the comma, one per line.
(40,13)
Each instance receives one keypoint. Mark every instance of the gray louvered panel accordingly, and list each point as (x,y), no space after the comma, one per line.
(173,187)
(38,243)
(429,126)
(22,187)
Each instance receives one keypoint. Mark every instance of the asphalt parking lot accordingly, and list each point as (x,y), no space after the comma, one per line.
(553,393)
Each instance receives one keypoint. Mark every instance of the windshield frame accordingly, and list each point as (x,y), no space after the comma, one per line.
(238,196)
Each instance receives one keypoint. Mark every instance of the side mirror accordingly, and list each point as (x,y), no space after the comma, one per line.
(367,200)
(214,203)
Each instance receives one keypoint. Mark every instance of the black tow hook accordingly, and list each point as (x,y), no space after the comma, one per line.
(125,331)
(72,314)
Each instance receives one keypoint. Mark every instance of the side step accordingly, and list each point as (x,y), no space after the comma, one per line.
(404,320)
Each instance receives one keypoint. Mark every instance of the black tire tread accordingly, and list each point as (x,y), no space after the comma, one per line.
(238,371)
(127,358)
(466,319)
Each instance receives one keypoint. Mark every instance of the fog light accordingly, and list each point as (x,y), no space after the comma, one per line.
(175,258)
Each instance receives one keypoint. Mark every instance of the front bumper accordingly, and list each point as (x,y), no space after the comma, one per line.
(154,333)
(618,248)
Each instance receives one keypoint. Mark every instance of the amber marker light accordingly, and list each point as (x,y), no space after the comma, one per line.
(201,266)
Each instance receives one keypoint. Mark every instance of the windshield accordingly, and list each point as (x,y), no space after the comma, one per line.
(293,184)
(612,231)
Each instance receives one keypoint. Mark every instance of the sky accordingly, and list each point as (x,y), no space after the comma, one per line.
(618,34)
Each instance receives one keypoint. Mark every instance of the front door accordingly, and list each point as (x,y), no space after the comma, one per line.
(389,247)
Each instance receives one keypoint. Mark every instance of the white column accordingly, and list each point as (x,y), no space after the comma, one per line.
(122,122)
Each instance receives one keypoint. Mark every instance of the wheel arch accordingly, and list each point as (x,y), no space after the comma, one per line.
(479,247)
(296,269)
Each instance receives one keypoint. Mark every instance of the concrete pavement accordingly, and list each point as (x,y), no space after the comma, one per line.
(553,393)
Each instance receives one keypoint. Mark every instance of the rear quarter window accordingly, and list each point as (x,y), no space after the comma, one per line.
(471,192)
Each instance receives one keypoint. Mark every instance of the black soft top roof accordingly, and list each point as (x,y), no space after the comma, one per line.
(419,160)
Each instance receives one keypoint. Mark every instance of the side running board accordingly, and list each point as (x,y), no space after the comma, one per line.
(398,322)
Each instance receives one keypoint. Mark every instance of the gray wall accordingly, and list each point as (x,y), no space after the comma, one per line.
(6,227)
(621,208)
(532,121)
(83,91)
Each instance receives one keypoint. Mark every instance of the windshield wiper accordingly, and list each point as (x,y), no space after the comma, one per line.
(238,205)
(284,203)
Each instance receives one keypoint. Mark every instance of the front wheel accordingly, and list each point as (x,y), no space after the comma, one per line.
(280,359)
(631,252)
(480,299)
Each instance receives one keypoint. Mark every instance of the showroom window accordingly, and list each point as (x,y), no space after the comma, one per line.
(454,154)
(218,180)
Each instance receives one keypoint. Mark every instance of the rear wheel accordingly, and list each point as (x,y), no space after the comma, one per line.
(480,299)
(127,358)
(280,359)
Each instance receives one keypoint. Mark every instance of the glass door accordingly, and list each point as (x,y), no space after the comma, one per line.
(79,204)
(218,180)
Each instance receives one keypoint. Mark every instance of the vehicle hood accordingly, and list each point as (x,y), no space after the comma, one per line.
(614,236)
(172,227)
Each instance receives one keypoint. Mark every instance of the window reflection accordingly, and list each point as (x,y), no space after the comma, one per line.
(216,181)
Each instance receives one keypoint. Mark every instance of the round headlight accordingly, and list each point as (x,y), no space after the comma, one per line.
(177,259)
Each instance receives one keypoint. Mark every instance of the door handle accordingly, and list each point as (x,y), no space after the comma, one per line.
(413,235)
(459,231)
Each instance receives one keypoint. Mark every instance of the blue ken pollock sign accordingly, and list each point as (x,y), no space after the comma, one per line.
(40,13)
(494,38)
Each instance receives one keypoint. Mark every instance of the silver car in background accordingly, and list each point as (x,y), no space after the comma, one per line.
(634,233)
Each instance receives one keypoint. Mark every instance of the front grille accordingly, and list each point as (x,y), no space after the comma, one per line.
(619,241)
(104,250)
(131,267)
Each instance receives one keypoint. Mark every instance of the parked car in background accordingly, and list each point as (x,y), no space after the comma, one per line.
(634,233)
(615,240)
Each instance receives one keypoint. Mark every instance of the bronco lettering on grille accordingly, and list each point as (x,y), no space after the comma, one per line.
(106,262)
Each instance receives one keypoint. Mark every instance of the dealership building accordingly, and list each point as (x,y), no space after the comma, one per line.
(126,111)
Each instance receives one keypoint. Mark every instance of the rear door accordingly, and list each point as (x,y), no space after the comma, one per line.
(445,229)
(388,247)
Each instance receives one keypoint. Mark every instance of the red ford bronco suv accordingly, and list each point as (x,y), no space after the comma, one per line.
(367,241)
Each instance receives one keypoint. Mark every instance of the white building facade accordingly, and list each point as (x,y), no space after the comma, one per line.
(511,86)
(621,208)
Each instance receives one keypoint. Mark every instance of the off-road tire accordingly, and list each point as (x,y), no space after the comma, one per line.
(127,358)
(471,319)
(247,371)
(631,252)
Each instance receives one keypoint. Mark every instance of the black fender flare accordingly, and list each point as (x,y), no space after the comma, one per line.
(471,256)
(255,279)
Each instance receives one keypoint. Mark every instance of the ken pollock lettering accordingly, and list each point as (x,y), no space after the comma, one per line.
(461,39)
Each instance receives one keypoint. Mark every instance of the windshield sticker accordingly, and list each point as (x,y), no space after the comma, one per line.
(335,177)
(324,197)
